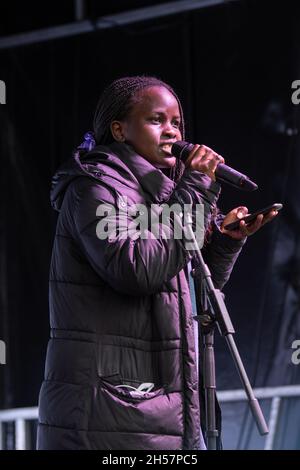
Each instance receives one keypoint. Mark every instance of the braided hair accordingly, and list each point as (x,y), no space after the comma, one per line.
(116,102)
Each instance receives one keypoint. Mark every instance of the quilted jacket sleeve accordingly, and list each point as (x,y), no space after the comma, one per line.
(221,254)
(137,266)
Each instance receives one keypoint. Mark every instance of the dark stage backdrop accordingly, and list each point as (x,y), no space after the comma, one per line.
(233,66)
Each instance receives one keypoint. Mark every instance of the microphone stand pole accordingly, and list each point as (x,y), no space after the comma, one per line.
(212,311)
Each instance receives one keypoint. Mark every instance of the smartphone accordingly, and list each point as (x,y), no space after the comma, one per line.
(251,217)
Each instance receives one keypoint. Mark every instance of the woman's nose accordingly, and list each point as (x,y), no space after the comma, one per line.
(169,130)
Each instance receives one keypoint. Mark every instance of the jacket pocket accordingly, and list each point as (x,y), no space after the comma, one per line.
(115,411)
(129,362)
(127,390)
(132,362)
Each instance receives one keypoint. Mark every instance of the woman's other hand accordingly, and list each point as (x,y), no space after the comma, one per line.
(245,230)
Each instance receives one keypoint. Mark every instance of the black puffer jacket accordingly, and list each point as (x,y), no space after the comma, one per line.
(120,312)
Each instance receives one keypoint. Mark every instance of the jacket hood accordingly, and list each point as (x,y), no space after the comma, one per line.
(115,160)
(77,166)
(62,178)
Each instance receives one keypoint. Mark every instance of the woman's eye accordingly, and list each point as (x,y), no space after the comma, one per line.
(155,119)
(176,124)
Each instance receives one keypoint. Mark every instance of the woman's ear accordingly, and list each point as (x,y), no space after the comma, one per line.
(117,131)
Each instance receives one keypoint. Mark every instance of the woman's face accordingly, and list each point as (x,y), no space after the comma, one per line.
(152,126)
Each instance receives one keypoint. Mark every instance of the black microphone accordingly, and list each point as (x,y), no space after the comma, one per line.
(181,149)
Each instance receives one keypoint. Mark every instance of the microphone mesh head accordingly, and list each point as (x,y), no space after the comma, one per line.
(181,150)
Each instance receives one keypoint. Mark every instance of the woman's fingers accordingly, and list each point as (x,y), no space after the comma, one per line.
(204,159)
(241,212)
(270,216)
(258,223)
(251,228)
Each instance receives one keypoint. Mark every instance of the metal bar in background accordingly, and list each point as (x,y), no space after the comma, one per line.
(276,393)
(21,434)
(263,393)
(21,418)
(273,423)
(18,413)
(1,435)
(106,22)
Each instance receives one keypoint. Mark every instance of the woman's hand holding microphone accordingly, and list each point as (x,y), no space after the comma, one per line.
(205,160)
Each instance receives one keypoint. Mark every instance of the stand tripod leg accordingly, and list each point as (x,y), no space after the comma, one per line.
(210,301)
(210,389)
(253,403)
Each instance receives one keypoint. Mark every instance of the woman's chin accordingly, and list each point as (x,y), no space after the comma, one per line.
(166,162)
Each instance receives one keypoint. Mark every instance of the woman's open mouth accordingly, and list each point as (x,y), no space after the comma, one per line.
(167,148)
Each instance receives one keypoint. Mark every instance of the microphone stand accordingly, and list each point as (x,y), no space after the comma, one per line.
(212,311)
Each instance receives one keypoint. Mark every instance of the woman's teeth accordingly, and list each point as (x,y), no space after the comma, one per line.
(167,148)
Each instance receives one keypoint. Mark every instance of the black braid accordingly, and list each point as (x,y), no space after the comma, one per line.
(117,101)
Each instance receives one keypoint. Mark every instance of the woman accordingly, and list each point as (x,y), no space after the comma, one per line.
(121,367)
